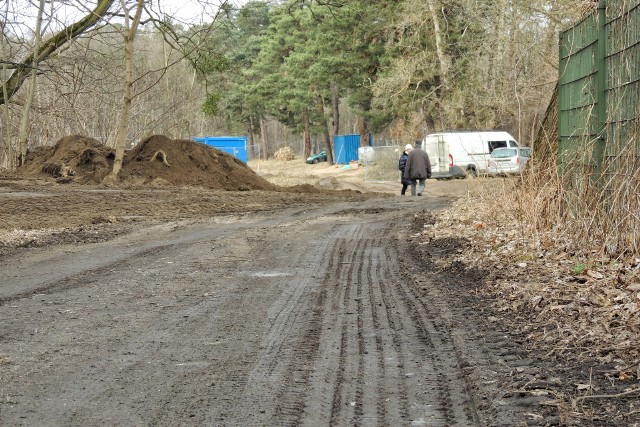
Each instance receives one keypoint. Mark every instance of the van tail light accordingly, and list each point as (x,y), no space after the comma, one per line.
(518,160)
(488,163)
(450,160)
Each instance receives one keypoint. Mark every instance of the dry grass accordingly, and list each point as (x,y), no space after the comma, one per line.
(568,298)
(568,292)
(287,172)
(334,177)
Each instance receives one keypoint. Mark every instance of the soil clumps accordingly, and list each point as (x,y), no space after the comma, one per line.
(73,158)
(158,161)
(183,162)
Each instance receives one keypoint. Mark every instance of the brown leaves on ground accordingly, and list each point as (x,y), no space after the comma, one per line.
(567,302)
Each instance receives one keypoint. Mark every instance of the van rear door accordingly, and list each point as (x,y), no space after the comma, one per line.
(437,148)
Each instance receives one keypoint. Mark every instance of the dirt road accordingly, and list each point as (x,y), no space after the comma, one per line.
(303,316)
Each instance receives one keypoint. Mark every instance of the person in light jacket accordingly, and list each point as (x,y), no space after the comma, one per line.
(418,168)
(402,163)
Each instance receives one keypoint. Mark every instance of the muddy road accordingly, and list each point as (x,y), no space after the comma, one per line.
(302,316)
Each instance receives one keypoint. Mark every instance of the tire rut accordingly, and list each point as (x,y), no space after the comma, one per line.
(372,354)
(309,321)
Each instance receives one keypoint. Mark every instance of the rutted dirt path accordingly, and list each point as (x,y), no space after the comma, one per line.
(299,317)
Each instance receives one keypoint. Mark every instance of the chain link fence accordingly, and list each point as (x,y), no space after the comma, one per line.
(380,163)
(253,152)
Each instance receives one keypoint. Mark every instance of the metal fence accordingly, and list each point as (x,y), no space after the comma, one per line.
(599,125)
(381,163)
(599,89)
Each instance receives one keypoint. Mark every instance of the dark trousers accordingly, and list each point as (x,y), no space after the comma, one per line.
(404,188)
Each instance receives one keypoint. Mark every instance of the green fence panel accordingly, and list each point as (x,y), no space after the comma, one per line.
(599,90)
(578,89)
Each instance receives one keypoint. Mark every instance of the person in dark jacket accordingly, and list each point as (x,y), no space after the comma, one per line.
(401,165)
(418,168)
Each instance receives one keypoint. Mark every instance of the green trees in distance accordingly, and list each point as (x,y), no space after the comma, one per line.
(304,57)
(403,68)
(288,72)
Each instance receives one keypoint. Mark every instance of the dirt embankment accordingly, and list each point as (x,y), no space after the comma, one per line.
(157,162)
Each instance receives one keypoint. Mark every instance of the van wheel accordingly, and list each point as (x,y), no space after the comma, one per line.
(471,172)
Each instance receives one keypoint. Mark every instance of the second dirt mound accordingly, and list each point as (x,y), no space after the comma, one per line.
(159,160)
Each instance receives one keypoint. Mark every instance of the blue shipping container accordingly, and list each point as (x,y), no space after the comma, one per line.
(234,145)
(346,147)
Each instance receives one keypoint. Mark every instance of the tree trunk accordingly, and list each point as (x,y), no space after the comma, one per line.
(123,125)
(363,130)
(264,138)
(252,138)
(442,57)
(23,135)
(545,145)
(9,161)
(335,106)
(307,133)
(9,145)
(325,131)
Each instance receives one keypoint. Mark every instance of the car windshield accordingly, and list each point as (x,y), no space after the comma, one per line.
(501,153)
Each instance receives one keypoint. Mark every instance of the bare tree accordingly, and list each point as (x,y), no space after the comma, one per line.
(129,33)
(8,153)
(23,69)
(263,138)
(23,136)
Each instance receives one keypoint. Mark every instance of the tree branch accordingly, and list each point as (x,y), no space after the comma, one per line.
(22,70)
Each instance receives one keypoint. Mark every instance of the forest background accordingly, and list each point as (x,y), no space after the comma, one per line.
(284,73)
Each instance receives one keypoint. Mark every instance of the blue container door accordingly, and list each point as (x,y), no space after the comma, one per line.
(234,145)
(346,147)
(239,153)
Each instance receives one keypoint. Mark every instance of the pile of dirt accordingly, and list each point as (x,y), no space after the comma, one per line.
(160,160)
(157,161)
(74,158)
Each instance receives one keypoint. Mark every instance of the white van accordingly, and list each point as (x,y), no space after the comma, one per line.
(462,154)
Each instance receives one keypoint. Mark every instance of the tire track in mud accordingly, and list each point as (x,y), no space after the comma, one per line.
(287,321)
(337,336)
(371,353)
(452,388)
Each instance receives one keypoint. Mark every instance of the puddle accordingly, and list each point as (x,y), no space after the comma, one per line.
(267,274)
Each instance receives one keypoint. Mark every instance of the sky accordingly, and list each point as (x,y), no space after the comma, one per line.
(192,10)
(22,13)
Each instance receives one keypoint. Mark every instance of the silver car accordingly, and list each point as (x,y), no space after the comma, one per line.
(508,160)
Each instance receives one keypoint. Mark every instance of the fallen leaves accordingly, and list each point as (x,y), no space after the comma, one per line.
(571,300)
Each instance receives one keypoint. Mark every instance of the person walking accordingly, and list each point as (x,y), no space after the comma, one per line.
(418,168)
(402,163)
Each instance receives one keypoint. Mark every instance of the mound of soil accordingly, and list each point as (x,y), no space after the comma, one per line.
(158,161)
(74,158)
(308,188)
